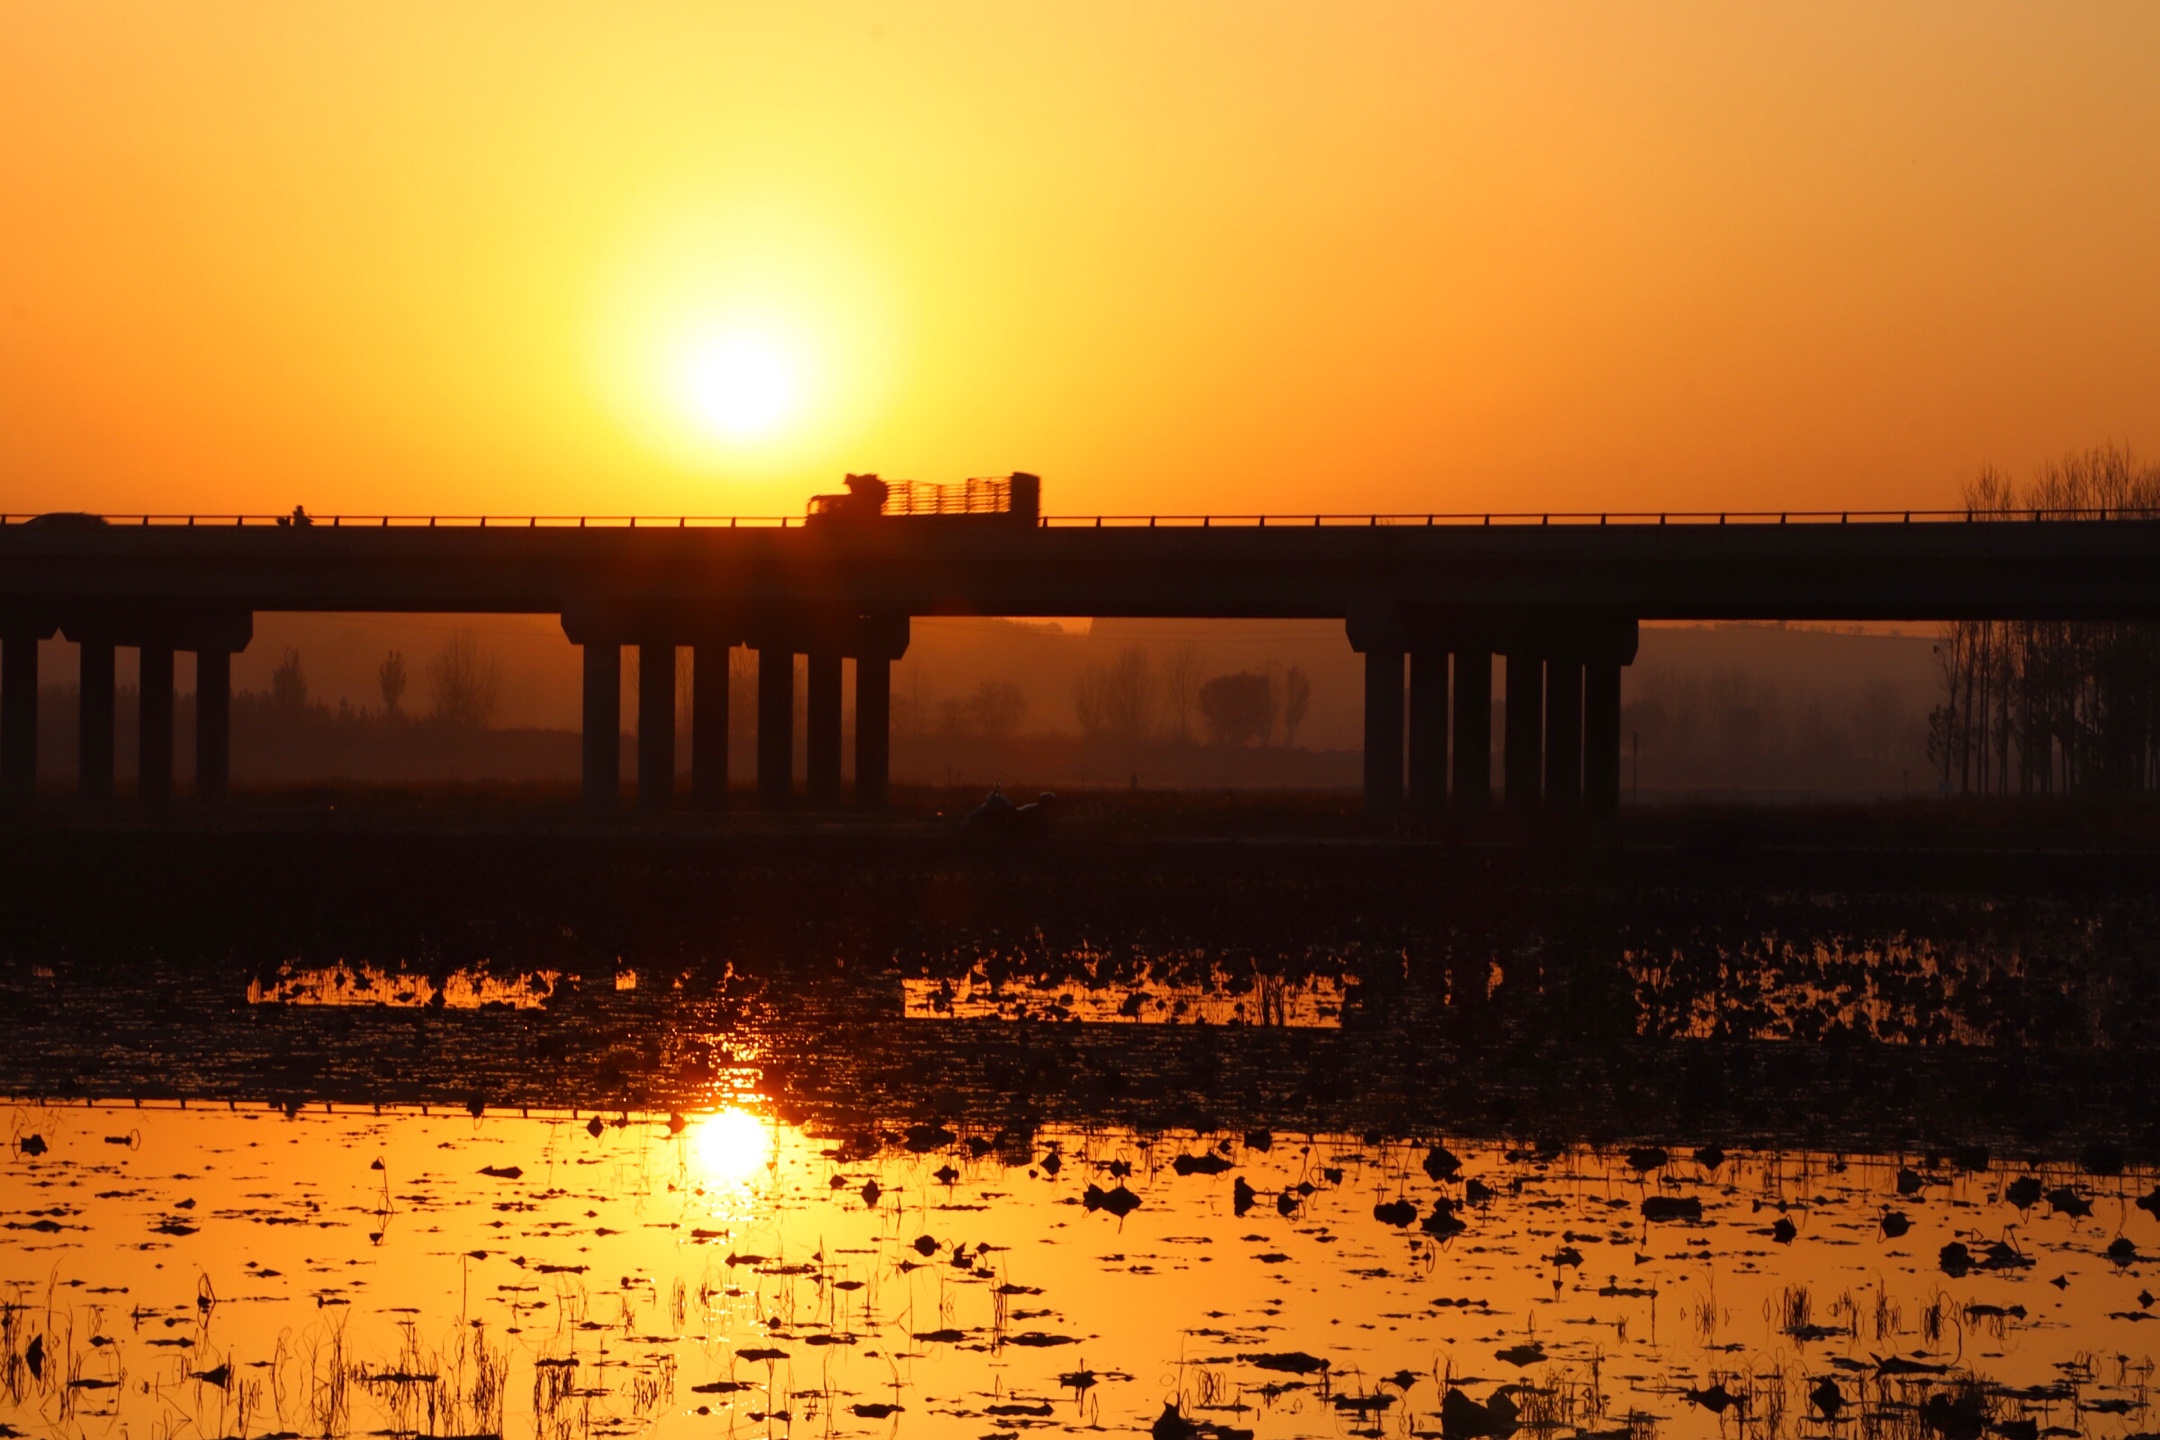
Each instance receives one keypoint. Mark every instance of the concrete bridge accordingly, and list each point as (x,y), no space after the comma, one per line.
(1428,600)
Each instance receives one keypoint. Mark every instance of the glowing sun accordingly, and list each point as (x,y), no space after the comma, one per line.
(741,387)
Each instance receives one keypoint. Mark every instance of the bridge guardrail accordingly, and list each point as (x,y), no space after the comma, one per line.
(1070,522)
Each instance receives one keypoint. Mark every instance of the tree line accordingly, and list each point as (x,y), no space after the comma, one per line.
(2052,706)
(464,687)
(1130,701)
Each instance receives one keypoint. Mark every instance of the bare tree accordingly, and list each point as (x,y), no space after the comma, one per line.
(1181,684)
(996,710)
(288,684)
(465,684)
(1118,700)
(1297,699)
(910,712)
(2071,705)
(390,675)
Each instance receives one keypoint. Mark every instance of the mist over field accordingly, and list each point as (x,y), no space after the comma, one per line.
(1718,710)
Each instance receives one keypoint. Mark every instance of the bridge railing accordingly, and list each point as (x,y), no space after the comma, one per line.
(72,520)
(1604,517)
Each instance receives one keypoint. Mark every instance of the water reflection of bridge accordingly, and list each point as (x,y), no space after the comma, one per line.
(1429,601)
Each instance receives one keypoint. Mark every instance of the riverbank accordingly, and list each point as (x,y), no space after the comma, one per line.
(2130,824)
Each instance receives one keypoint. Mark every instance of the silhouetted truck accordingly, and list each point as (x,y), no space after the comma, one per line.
(1014,499)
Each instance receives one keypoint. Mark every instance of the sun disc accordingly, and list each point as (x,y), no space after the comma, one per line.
(741,387)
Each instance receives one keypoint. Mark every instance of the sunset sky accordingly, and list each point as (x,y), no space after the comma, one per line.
(1172,256)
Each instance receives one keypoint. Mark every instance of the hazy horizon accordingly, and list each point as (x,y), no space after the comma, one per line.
(1731,707)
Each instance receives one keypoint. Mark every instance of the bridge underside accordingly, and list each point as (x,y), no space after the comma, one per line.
(1428,709)
(1432,609)
(1561,708)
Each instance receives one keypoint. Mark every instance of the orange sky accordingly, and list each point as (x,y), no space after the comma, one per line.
(1172,256)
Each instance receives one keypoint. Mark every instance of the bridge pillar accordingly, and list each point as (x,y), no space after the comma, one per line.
(709,725)
(656,725)
(1383,732)
(154,725)
(775,726)
(213,723)
(603,725)
(1428,730)
(94,721)
(1563,734)
(873,731)
(1473,729)
(822,725)
(18,716)
(1601,738)
(1525,718)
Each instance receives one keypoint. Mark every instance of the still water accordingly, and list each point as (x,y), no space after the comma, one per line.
(241,1271)
(555,1137)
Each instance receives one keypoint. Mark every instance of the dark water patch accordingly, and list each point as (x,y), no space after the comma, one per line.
(1670,998)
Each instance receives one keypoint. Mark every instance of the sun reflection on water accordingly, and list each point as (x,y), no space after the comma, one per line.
(344,1272)
(730,1147)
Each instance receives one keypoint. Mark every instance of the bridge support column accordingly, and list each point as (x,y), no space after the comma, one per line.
(1473,729)
(822,724)
(94,721)
(873,731)
(1383,732)
(213,723)
(154,725)
(1601,738)
(709,725)
(603,725)
(775,726)
(1524,760)
(1428,730)
(1563,734)
(18,716)
(656,725)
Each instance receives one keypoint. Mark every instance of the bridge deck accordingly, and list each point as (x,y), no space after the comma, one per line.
(1559,598)
(1860,569)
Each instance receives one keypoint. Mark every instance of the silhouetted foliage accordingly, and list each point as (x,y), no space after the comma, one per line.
(390,675)
(996,710)
(466,685)
(1730,721)
(1297,699)
(1181,684)
(1117,701)
(2048,705)
(1239,709)
(288,685)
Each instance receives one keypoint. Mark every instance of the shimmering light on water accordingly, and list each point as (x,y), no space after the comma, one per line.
(225,1272)
(1303,1002)
(731,1146)
(369,985)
